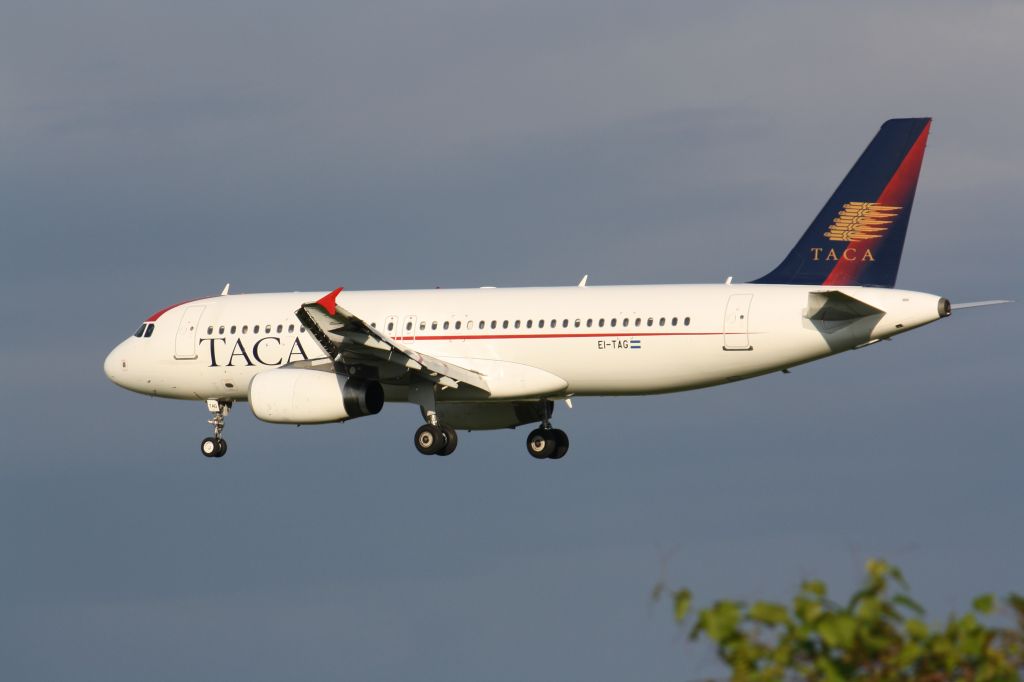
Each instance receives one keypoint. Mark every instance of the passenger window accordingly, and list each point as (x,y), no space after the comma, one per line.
(221,330)
(600,323)
(494,324)
(408,326)
(423,326)
(446,324)
(458,324)
(686,322)
(255,329)
(565,323)
(245,329)
(280,328)
(149,330)
(267,330)
(554,323)
(529,324)
(433,325)
(661,322)
(577,323)
(675,321)
(233,329)
(291,329)
(209,330)
(590,322)
(650,321)
(638,321)
(469,325)
(612,322)
(540,324)
(391,326)
(517,324)
(302,330)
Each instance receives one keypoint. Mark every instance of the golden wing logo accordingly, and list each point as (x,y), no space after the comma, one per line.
(860,220)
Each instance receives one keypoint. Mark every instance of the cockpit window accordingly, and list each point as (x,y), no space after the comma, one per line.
(149,330)
(140,330)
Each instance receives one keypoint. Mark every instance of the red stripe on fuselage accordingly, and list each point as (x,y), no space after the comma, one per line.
(898,192)
(499,337)
(156,316)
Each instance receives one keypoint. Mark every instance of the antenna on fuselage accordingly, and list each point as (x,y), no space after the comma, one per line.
(583,282)
(226,287)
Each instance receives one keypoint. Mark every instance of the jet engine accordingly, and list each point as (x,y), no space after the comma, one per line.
(483,416)
(309,396)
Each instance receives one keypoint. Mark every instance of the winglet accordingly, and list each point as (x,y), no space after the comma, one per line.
(329,303)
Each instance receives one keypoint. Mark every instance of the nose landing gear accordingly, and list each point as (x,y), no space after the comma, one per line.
(216,446)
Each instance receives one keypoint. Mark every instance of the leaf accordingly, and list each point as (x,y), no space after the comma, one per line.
(876,568)
(815,587)
(908,603)
(682,600)
(985,603)
(916,628)
(769,613)
(720,620)
(837,631)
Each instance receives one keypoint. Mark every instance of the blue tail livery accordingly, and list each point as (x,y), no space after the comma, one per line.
(857,238)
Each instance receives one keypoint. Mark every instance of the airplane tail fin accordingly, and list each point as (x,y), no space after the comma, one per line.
(857,238)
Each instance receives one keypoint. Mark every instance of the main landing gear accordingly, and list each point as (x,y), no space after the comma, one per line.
(436,439)
(216,446)
(546,442)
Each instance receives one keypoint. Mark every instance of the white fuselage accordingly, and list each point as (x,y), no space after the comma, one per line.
(529,342)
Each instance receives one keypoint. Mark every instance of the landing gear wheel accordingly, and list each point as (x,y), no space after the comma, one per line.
(541,443)
(451,441)
(213,447)
(561,444)
(216,446)
(429,439)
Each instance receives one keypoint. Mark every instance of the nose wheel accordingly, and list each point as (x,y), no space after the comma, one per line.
(216,446)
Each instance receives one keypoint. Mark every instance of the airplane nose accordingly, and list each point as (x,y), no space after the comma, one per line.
(115,364)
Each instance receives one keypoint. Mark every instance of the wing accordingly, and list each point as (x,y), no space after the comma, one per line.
(350,341)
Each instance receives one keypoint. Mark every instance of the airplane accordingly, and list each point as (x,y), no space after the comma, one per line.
(493,358)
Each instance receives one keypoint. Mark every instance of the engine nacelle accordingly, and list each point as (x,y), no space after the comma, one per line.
(484,416)
(309,396)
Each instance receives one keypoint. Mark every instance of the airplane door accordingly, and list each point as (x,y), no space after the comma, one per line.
(185,340)
(737,323)
(409,328)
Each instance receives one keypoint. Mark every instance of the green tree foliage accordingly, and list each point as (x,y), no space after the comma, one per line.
(879,635)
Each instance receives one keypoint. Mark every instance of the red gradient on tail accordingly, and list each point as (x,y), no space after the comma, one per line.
(898,192)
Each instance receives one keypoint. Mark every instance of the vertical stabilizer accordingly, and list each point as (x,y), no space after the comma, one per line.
(857,238)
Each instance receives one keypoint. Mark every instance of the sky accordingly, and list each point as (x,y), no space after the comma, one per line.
(152,152)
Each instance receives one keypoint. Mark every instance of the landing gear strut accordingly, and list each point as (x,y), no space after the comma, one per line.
(216,446)
(546,442)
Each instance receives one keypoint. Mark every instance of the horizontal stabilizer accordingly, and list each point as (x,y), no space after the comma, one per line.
(977,304)
(835,306)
